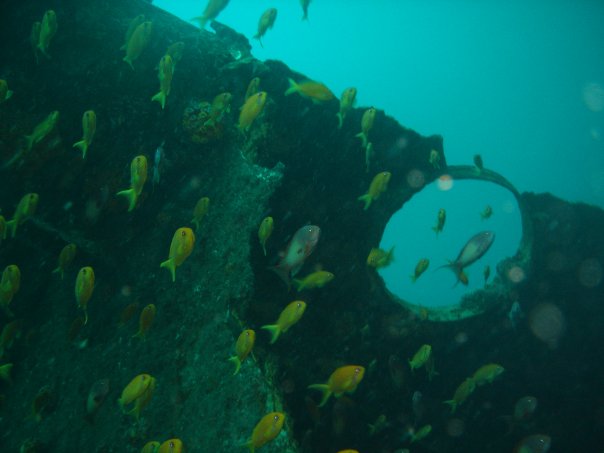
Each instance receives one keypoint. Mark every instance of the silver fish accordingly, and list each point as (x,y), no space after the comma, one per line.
(474,249)
(158,163)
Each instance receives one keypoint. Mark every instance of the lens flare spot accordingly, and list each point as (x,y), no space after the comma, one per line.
(547,323)
(516,274)
(590,273)
(593,96)
(416,179)
(445,182)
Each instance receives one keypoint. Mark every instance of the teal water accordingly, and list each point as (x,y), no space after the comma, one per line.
(519,82)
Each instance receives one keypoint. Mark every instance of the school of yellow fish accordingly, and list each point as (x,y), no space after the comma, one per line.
(137,394)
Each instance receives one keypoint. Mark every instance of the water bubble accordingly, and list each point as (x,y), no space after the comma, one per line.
(516,274)
(509,206)
(593,96)
(461,338)
(445,182)
(547,323)
(416,179)
(590,273)
(455,427)
(555,261)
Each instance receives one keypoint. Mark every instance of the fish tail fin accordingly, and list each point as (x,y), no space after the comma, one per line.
(85,315)
(82,145)
(169,264)
(363,137)
(390,256)
(9,93)
(130,194)
(413,278)
(322,388)
(58,270)
(264,248)
(161,98)
(139,334)
(29,143)
(237,363)
(274,330)
(340,120)
(298,284)
(201,20)
(366,199)
(12,226)
(293,87)
(283,273)
(436,230)
(129,61)
(451,403)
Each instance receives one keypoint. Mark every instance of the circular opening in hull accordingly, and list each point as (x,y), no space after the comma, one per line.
(471,208)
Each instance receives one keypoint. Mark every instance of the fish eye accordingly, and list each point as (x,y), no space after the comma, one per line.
(83,271)
(183,233)
(357,370)
(276,418)
(171,444)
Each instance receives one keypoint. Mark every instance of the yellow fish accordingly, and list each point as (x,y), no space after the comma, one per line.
(251,109)
(89,127)
(220,106)
(47,31)
(265,231)
(180,249)
(9,285)
(138,176)
(143,400)
(305,4)
(348,451)
(34,38)
(151,447)
(434,159)
(315,91)
(213,9)
(145,321)
(25,209)
(3,229)
(366,125)
(176,51)
(83,289)
(421,357)
(440,221)
(288,317)
(135,390)
(266,430)
(5,93)
(317,279)
(252,87)
(243,347)
(138,41)
(420,268)
(171,446)
(378,185)
(42,130)
(65,258)
(5,372)
(199,212)
(343,380)
(421,433)
(267,20)
(347,101)
(379,258)
(134,23)
(165,73)
(487,373)
(10,332)
(488,212)
(462,393)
